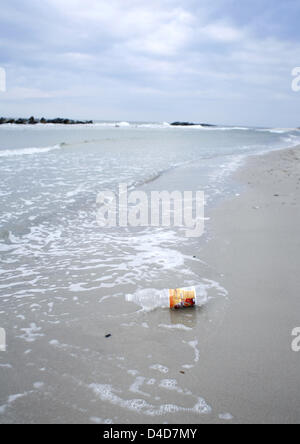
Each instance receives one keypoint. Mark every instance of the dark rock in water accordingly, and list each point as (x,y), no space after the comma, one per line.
(182,124)
(33,121)
(21,121)
(56,121)
(191,124)
(3,120)
(208,125)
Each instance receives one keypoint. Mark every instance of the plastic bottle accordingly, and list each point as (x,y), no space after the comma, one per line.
(173,298)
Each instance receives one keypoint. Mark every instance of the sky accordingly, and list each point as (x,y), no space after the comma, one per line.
(223,61)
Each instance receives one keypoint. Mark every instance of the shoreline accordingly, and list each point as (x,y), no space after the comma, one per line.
(229,361)
(249,365)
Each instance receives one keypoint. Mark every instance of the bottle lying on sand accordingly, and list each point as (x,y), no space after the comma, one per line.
(173,298)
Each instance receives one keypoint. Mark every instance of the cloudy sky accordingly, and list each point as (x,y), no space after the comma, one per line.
(220,61)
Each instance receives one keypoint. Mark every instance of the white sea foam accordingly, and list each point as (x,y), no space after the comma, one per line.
(176,327)
(32,333)
(106,393)
(135,387)
(160,368)
(97,420)
(54,342)
(28,151)
(170,384)
(276,130)
(226,417)
(38,385)
(194,345)
(11,399)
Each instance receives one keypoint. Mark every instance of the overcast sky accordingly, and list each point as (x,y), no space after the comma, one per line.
(220,61)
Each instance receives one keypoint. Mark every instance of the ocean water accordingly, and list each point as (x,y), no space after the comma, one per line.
(63,279)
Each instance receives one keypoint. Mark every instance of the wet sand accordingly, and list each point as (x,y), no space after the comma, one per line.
(249,367)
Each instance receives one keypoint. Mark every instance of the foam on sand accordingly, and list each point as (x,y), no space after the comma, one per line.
(105,392)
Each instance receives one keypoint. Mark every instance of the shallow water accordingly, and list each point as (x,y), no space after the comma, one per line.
(63,278)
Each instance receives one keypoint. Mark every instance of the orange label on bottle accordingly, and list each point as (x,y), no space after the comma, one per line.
(181,297)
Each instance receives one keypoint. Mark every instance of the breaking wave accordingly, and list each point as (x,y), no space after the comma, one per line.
(28,151)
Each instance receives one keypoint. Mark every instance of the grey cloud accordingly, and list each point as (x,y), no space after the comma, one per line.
(105,58)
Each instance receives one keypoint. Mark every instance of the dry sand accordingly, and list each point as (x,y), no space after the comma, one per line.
(249,365)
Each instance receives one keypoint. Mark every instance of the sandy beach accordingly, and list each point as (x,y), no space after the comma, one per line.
(249,364)
(150,213)
(78,352)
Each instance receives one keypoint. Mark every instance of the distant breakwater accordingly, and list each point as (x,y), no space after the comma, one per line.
(191,124)
(33,121)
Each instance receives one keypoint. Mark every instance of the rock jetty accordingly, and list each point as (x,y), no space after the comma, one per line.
(34,121)
(192,124)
